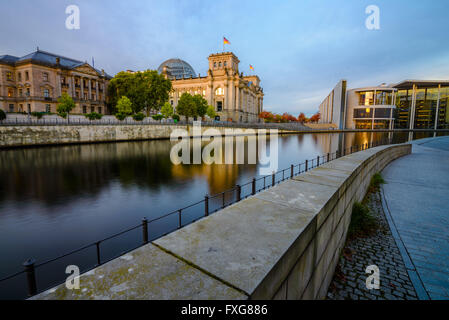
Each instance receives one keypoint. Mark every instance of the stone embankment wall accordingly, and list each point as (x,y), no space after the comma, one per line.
(17,136)
(282,243)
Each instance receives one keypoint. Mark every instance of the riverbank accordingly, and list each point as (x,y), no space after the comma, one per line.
(39,134)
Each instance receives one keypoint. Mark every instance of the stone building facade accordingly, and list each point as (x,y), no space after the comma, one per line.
(34,82)
(234,96)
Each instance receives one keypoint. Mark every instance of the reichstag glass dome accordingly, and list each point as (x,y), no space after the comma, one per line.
(178,68)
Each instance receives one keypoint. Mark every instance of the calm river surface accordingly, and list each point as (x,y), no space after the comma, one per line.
(57,199)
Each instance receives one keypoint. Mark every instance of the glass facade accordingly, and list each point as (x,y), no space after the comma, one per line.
(443,110)
(366,98)
(404,100)
(363,113)
(425,101)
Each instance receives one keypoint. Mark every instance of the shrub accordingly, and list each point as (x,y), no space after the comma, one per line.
(120,116)
(62,114)
(157,116)
(93,116)
(175,117)
(376,181)
(138,116)
(2,115)
(37,114)
(362,222)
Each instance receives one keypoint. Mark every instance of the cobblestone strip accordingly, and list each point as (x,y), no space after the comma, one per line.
(378,249)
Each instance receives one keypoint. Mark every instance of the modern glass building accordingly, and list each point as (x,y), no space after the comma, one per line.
(410,104)
(422,104)
(370,108)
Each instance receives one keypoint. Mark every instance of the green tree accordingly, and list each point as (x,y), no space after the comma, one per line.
(65,105)
(167,110)
(124,108)
(146,89)
(200,105)
(186,106)
(211,112)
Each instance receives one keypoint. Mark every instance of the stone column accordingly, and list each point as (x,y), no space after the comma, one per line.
(59,92)
(237,99)
(89,83)
(82,88)
(96,90)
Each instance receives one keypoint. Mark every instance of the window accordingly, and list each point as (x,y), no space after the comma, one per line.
(363,113)
(92,109)
(10,92)
(99,109)
(366,98)
(215,64)
(11,108)
(219,91)
(45,76)
(382,113)
(224,63)
(29,108)
(9,75)
(171,102)
(85,96)
(20,107)
(219,105)
(93,97)
(219,64)
(84,109)
(46,93)
(19,76)
(63,80)
(204,92)
(20,92)
(28,92)
(47,108)
(27,76)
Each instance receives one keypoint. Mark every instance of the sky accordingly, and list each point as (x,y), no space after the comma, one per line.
(300,49)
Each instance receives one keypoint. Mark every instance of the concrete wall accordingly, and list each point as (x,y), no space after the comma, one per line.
(16,136)
(282,243)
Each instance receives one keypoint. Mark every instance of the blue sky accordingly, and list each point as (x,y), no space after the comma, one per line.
(299,49)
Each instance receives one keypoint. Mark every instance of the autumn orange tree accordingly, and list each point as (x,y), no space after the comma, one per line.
(315,118)
(302,117)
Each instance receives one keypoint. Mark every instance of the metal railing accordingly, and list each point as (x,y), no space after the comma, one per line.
(209,205)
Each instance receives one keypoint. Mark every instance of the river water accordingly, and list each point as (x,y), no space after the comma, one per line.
(57,199)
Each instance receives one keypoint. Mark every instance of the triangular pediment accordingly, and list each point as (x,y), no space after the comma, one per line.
(87,69)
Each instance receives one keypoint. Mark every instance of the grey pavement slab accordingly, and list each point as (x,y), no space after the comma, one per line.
(143,274)
(261,230)
(417,197)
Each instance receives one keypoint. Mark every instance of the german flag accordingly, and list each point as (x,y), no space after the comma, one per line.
(225,41)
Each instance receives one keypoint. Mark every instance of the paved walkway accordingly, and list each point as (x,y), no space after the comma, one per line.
(416,203)
(380,249)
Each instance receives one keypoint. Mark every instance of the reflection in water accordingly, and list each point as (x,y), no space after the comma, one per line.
(55,199)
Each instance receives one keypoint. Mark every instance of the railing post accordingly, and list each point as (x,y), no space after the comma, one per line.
(328,154)
(317,161)
(291,171)
(206,205)
(97,244)
(31,276)
(273,179)
(239,190)
(145,230)
(307,165)
(179,219)
(350,150)
(254,186)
